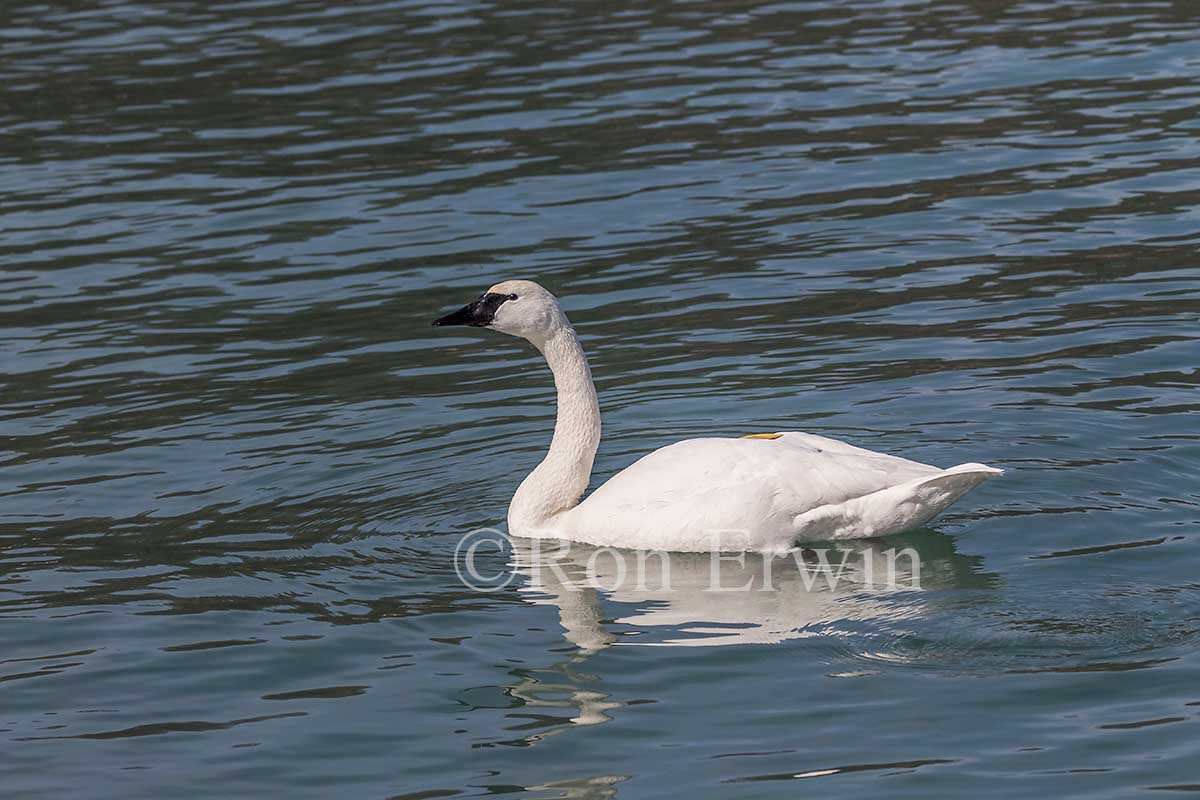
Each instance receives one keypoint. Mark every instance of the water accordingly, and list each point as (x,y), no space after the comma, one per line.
(237,459)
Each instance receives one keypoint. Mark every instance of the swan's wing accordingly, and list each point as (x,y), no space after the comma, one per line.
(895,508)
(848,464)
(699,485)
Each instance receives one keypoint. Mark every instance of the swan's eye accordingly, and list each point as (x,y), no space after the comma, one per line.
(512,297)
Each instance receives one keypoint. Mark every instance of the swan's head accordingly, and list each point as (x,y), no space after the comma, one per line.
(519,308)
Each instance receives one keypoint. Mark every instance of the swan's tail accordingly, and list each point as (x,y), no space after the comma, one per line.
(897,508)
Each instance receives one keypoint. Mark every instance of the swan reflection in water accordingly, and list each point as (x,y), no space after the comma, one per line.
(862,591)
(712,599)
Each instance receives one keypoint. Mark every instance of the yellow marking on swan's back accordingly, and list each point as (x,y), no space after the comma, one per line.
(763,436)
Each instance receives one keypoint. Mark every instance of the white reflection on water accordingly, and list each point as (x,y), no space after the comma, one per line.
(710,599)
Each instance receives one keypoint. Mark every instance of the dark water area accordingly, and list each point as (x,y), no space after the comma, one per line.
(235,460)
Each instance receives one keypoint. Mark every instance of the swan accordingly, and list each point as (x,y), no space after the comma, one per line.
(766,492)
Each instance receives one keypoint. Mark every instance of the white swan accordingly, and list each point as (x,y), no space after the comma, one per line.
(766,492)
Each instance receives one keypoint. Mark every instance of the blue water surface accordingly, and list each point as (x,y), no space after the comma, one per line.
(235,460)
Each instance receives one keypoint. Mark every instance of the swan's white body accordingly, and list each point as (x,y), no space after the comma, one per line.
(763,494)
(715,494)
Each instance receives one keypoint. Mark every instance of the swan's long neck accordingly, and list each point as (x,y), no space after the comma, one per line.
(556,485)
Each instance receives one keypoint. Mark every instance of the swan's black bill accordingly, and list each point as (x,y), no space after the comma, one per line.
(478,314)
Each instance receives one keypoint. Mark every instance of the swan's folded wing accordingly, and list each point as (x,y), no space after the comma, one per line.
(895,508)
(847,471)
(737,485)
